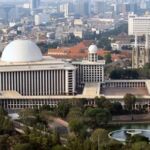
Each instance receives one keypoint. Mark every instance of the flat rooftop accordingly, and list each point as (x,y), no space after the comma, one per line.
(140,91)
(46,63)
(91,89)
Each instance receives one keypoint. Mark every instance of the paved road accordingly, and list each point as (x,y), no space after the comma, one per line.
(122,119)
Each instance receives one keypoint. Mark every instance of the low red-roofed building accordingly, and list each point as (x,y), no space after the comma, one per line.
(79,51)
(102,52)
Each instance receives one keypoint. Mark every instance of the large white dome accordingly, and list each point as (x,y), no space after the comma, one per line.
(93,49)
(21,51)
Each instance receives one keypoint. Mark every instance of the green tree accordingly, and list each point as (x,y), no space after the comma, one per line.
(116,108)
(112,145)
(107,58)
(137,138)
(76,125)
(74,113)
(63,109)
(140,146)
(55,138)
(59,147)
(129,101)
(81,102)
(104,43)
(98,138)
(2,112)
(97,116)
(6,126)
(87,144)
(124,74)
(74,143)
(102,102)
(4,145)
(116,74)
(25,146)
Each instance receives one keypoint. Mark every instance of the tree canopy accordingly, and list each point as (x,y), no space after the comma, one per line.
(129,101)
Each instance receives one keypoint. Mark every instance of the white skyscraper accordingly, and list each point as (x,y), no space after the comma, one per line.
(139,26)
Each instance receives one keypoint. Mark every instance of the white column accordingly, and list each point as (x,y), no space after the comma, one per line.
(37,80)
(43,82)
(58,83)
(32,83)
(74,80)
(66,83)
(54,83)
(60,79)
(46,82)
(6,80)
(136,41)
(0,81)
(29,78)
(21,85)
(146,41)
(14,78)
(49,81)
(40,85)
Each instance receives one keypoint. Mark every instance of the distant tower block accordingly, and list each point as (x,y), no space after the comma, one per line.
(7,9)
(139,26)
(34,4)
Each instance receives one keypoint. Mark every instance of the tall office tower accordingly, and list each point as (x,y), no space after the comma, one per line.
(34,4)
(99,7)
(83,7)
(134,6)
(139,26)
(143,4)
(67,9)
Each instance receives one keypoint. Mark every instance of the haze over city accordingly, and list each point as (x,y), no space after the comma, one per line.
(75,75)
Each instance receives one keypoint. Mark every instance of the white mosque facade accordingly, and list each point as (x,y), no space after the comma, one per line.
(28,79)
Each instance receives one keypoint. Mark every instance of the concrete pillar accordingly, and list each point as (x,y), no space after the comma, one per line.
(146,41)
(136,41)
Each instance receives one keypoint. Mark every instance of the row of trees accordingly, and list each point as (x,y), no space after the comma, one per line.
(31,140)
(6,125)
(78,113)
(88,127)
(141,73)
(97,140)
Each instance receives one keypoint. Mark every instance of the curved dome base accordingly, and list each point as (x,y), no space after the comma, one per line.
(21,51)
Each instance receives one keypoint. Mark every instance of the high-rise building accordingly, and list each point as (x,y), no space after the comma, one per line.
(41,18)
(139,26)
(67,9)
(99,7)
(34,4)
(83,7)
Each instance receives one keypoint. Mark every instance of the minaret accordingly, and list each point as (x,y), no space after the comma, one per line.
(92,53)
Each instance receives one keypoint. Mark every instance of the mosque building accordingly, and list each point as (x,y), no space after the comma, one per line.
(28,79)
(23,69)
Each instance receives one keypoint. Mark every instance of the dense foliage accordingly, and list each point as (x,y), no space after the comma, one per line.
(124,74)
(6,125)
(88,127)
(141,73)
